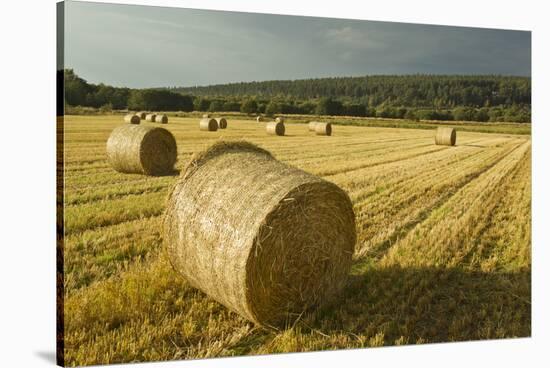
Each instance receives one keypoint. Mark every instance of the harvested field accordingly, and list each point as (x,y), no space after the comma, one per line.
(443,248)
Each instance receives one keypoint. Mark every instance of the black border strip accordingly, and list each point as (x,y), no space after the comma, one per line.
(60,186)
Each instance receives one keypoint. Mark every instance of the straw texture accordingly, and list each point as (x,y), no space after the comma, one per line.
(275,128)
(263,238)
(142,115)
(205,115)
(150,117)
(132,119)
(161,118)
(445,136)
(259,119)
(222,123)
(142,150)
(208,124)
(280,119)
(311,125)
(323,128)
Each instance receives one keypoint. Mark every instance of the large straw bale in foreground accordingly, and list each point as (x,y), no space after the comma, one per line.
(142,150)
(445,136)
(132,119)
(161,118)
(275,128)
(150,117)
(222,123)
(263,238)
(323,128)
(208,124)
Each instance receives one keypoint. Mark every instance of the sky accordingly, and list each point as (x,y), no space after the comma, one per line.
(144,46)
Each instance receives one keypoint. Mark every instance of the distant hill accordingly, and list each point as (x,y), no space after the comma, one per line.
(419,91)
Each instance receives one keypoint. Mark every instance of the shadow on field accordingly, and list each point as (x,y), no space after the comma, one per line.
(429,305)
(175,172)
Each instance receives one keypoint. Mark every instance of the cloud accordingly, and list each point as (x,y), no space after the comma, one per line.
(350,37)
(196,47)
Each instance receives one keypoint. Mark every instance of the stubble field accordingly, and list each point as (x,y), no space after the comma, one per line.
(443,250)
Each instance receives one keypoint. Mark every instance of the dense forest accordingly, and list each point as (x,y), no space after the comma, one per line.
(430,97)
(426,91)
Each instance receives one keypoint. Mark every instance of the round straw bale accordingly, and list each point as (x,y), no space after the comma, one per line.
(208,124)
(142,150)
(205,116)
(161,118)
(311,125)
(150,117)
(265,239)
(280,119)
(323,128)
(132,119)
(275,128)
(259,119)
(141,114)
(445,136)
(222,123)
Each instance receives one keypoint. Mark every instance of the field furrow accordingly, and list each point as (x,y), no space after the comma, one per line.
(115,191)
(110,212)
(458,221)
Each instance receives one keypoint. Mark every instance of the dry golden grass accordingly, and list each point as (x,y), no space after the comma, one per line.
(443,252)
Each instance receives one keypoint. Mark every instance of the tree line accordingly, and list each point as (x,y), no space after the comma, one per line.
(78,92)
(422,91)
(415,97)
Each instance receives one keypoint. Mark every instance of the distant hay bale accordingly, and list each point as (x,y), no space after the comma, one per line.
(265,239)
(280,119)
(141,114)
(142,149)
(150,117)
(323,128)
(132,119)
(222,123)
(275,128)
(161,118)
(311,125)
(205,116)
(259,119)
(208,124)
(445,136)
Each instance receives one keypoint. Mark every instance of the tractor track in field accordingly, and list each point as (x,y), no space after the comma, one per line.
(378,250)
